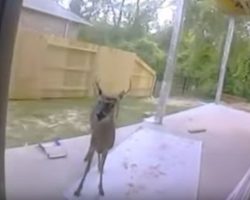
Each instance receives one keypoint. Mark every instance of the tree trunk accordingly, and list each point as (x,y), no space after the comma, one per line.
(137,12)
(184,86)
(114,14)
(120,14)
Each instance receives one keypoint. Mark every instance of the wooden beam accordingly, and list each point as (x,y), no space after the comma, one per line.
(9,16)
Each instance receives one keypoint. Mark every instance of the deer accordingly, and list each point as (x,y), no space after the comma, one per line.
(102,126)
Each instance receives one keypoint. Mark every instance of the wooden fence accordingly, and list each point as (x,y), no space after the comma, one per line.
(52,67)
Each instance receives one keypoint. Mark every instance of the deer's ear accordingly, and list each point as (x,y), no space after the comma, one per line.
(99,91)
(121,95)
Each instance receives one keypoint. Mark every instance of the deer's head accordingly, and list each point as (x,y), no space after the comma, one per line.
(106,104)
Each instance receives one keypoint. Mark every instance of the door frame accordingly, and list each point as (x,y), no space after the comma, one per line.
(9,17)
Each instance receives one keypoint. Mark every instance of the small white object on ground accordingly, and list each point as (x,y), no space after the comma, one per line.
(53,149)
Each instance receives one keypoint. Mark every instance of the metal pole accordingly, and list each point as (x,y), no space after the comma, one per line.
(226,52)
(170,63)
(9,15)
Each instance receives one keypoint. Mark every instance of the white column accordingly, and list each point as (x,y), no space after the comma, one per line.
(170,63)
(223,67)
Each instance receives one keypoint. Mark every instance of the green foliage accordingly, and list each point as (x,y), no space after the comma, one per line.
(146,48)
(149,51)
(102,34)
(129,28)
(238,75)
(128,25)
(201,45)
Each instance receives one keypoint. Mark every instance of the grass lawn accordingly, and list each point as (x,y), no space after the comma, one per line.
(30,122)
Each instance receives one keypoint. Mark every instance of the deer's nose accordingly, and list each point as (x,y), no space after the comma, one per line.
(99,108)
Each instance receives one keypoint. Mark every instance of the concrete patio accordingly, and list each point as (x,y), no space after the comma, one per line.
(150,164)
(225,155)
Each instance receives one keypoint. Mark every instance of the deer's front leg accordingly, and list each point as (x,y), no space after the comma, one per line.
(90,150)
(86,158)
(78,190)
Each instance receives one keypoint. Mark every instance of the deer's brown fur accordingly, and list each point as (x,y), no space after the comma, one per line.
(102,124)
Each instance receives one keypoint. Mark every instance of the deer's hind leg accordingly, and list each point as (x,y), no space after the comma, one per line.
(103,157)
(99,162)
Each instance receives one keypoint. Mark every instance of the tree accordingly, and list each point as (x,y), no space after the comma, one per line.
(120,13)
(75,6)
(128,25)
(150,52)
(162,36)
(201,46)
(88,9)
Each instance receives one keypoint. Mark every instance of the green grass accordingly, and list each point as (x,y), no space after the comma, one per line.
(30,122)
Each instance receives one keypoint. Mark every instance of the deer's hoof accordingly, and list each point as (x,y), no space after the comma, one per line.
(99,170)
(101,192)
(77,193)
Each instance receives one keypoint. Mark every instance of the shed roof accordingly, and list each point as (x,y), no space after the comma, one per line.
(51,7)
